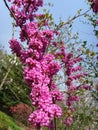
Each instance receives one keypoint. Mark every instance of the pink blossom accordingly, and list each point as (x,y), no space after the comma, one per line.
(68,121)
(53,68)
(71,109)
(40,2)
(41,66)
(57,95)
(15,46)
(87,87)
(96,22)
(77,68)
(77,76)
(39,117)
(95,5)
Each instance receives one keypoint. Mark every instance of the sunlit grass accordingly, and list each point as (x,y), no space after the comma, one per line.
(7,122)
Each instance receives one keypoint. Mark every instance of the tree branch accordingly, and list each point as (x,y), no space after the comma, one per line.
(5,77)
(9,9)
(70,20)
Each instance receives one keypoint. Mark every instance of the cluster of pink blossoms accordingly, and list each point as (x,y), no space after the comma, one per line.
(73,73)
(94,5)
(40,67)
(23,10)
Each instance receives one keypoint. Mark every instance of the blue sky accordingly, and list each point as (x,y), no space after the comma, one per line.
(61,9)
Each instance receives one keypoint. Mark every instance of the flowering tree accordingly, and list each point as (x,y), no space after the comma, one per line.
(41,64)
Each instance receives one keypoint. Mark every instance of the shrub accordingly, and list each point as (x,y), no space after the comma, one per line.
(21,112)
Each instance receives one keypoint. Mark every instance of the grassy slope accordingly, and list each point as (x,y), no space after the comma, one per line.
(7,122)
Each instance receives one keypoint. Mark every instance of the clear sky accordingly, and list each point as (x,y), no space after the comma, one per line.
(61,9)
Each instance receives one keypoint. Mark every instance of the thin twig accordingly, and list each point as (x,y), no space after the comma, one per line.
(5,77)
(70,20)
(9,9)
(55,124)
(38,127)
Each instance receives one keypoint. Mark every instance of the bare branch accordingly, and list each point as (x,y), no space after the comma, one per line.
(9,9)
(70,20)
(5,77)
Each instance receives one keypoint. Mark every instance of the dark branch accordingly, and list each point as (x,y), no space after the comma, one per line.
(9,9)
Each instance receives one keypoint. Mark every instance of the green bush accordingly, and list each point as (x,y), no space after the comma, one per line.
(13,89)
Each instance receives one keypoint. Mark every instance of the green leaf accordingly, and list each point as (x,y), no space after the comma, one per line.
(84,43)
(87,51)
(96,33)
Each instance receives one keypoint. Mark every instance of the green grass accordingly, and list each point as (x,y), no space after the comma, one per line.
(7,122)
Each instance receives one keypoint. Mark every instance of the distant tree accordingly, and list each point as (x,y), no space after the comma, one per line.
(13,90)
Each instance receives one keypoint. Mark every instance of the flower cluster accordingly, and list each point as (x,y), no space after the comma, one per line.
(23,10)
(68,121)
(38,74)
(16,47)
(40,67)
(94,5)
(73,73)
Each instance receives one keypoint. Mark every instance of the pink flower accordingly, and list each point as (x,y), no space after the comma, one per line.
(39,117)
(72,109)
(41,66)
(87,87)
(40,2)
(96,22)
(77,68)
(57,95)
(15,46)
(68,121)
(95,5)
